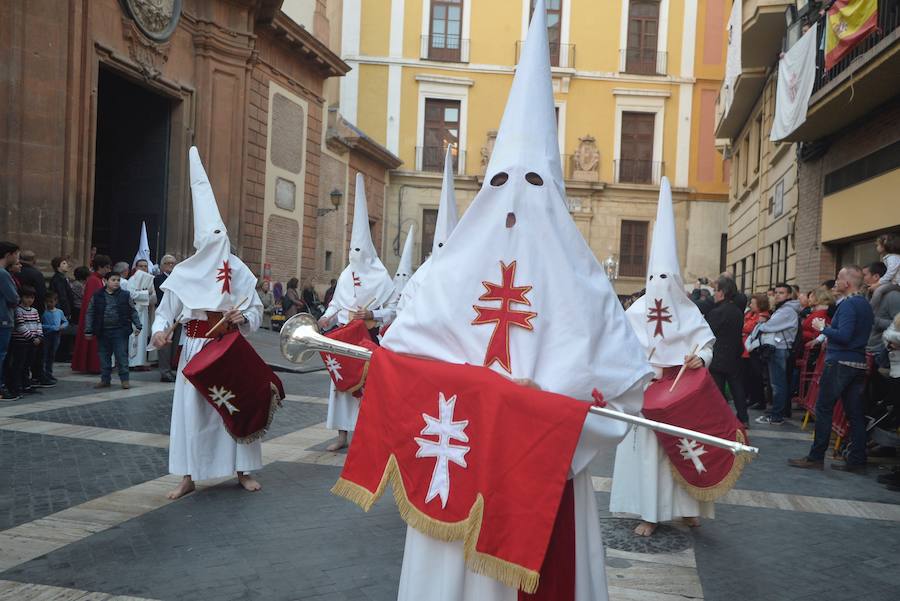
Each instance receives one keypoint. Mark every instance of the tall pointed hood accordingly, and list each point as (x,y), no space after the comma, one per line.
(500,292)
(404,269)
(143,252)
(528,134)
(446,222)
(364,283)
(447,217)
(212,279)
(666,321)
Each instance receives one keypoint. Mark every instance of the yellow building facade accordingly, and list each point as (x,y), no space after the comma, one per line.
(635,86)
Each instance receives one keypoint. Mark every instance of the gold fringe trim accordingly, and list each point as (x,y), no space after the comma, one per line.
(274,404)
(362,379)
(467,530)
(711,493)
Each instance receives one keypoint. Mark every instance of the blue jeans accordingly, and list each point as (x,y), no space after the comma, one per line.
(109,343)
(845,383)
(779,382)
(51,345)
(5,335)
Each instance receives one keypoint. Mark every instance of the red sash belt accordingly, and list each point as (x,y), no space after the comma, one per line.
(199,328)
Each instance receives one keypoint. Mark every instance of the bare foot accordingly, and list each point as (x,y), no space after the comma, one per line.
(249,482)
(186,487)
(339,444)
(645,529)
(692,522)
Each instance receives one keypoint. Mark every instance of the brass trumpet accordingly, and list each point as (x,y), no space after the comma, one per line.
(300,340)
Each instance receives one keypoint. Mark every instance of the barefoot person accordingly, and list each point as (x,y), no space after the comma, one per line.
(365,291)
(674,333)
(211,285)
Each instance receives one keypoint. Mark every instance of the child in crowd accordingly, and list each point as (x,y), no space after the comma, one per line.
(888,246)
(110,317)
(52,323)
(26,341)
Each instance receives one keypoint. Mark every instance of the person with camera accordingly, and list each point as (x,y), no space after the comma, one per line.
(777,338)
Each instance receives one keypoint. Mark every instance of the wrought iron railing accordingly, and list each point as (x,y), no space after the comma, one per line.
(445,47)
(888,21)
(431,158)
(641,61)
(638,171)
(561,55)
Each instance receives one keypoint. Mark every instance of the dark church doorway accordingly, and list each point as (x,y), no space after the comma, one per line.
(131,167)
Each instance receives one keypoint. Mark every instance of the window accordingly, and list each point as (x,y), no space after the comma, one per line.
(784,258)
(758,140)
(773,264)
(554,27)
(429,221)
(752,272)
(328,261)
(643,33)
(445,39)
(778,199)
(633,250)
(441,129)
(636,150)
(745,163)
(723,252)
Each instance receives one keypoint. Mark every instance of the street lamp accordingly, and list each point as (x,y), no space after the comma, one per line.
(335,196)
(611,266)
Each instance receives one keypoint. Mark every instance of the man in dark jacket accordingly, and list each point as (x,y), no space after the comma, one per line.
(165,353)
(726,320)
(59,284)
(844,374)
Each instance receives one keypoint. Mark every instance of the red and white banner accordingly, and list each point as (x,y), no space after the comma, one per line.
(347,373)
(471,456)
(238,384)
(706,472)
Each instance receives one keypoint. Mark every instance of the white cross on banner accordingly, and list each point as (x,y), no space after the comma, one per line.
(446,430)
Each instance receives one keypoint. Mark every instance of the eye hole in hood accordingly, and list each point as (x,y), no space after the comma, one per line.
(499,179)
(534,179)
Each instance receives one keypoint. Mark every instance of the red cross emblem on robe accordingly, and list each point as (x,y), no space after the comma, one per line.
(224,276)
(504,317)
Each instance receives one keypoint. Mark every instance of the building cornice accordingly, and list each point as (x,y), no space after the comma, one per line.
(314,50)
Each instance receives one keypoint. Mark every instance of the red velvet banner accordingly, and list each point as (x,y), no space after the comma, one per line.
(706,472)
(471,456)
(347,373)
(238,384)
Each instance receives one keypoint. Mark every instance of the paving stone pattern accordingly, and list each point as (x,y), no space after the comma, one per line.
(150,413)
(296,415)
(40,475)
(292,540)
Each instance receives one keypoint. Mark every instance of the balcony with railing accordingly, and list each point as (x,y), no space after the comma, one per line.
(444,47)
(641,61)
(864,78)
(638,171)
(562,56)
(763,26)
(431,158)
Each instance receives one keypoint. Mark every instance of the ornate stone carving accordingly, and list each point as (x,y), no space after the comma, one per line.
(157,19)
(487,149)
(587,160)
(149,56)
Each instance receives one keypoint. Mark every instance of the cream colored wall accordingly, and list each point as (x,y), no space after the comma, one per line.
(372,108)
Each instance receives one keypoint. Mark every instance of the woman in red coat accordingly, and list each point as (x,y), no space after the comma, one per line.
(820,300)
(85,357)
(755,373)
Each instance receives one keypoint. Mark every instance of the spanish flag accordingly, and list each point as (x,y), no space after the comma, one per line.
(849,22)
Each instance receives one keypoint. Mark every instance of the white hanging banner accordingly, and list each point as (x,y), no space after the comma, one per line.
(796,76)
(733,54)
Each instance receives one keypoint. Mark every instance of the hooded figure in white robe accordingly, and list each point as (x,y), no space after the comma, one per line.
(497,295)
(140,286)
(405,269)
(364,285)
(670,327)
(446,220)
(212,279)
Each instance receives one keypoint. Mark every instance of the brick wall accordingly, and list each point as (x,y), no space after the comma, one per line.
(817,262)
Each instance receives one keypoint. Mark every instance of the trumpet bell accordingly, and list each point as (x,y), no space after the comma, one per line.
(296,334)
(301,340)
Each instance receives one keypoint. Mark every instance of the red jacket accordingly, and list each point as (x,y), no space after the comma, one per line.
(806,328)
(750,321)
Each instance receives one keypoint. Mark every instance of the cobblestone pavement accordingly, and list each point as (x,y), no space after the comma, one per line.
(83,516)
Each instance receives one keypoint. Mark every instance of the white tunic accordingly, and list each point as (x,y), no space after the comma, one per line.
(343,407)
(642,478)
(140,286)
(435,570)
(199,445)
